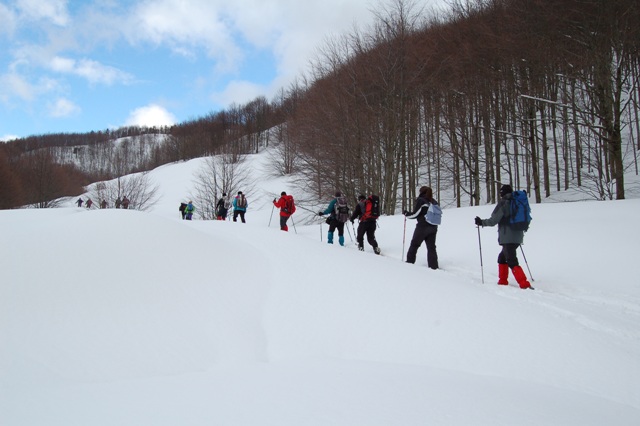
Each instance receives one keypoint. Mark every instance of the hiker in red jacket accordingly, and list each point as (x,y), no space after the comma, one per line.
(287,208)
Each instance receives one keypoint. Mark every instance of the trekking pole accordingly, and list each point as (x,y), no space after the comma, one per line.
(294,224)
(526,263)
(271,217)
(480,245)
(349,232)
(404,236)
(320,231)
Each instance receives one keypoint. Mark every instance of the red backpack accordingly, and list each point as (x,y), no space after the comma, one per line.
(289,205)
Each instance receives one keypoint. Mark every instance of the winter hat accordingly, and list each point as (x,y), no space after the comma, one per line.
(338,194)
(426,191)
(239,192)
(283,193)
(505,189)
(224,194)
(361,197)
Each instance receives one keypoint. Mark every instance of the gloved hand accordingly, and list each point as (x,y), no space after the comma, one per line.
(320,213)
(274,200)
(351,221)
(405,212)
(478,221)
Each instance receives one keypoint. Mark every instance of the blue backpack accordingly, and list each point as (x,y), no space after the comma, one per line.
(434,214)
(520,211)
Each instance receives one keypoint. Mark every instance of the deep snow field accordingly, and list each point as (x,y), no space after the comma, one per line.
(120,317)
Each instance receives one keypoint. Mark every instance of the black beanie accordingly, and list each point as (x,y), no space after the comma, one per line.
(505,189)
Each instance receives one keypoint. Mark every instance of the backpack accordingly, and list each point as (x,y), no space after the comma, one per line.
(434,214)
(341,209)
(241,201)
(372,208)
(519,211)
(289,205)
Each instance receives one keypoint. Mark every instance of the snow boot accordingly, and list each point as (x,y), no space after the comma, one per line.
(503,274)
(330,238)
(518,273)
(361,248)
(376,250)
(341,240)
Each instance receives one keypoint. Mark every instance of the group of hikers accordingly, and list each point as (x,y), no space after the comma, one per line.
(426,211)
(239,204)
(119,203)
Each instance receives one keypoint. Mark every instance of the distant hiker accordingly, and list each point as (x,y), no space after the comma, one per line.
(188,211)
(89,203)
(367,212)
(118,202)
(287,208)
(335,219)
(425,232)
(125,202)
(509,238)
(181,209)
(79,202)
(240,205)
(222,208)
(103,204)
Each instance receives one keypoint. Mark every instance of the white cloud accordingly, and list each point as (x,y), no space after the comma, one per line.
(149,116)
(238,92)
(8,19)
(63,108)
(50,10)
(90,70)
(7,138)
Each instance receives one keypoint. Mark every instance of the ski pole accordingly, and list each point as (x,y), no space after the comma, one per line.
(271,217)
(404,236)
(526,263)
(320,231)
(294,224)
(349,232)
(480,245)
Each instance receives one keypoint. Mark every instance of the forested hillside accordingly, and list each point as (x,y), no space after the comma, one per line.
(542,94)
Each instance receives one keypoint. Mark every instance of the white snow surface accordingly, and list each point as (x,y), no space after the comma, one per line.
(118,317)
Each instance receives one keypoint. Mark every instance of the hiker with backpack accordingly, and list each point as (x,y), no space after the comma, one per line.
(240,205)
(287,208)
(181,209)
(426,228)
(367,212)
(510,235)
(222,208)
(188,211)
(338,211)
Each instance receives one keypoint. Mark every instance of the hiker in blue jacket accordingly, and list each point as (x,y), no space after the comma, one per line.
(424,232)
(333,221)
(508,237)
(240,205)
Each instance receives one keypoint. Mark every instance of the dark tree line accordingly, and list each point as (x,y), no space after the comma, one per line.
(541,94)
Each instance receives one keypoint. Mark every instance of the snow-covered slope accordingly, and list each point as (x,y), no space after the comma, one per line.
(125,318)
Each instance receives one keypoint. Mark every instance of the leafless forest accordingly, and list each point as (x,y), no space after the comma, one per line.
(539,93)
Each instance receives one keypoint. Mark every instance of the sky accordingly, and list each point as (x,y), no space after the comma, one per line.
(78,66)
(114,317)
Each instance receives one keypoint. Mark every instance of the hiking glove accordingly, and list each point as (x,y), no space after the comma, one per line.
(478,221)
(320,213)
(405,212)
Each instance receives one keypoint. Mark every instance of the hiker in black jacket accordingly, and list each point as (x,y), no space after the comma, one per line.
(424,230)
